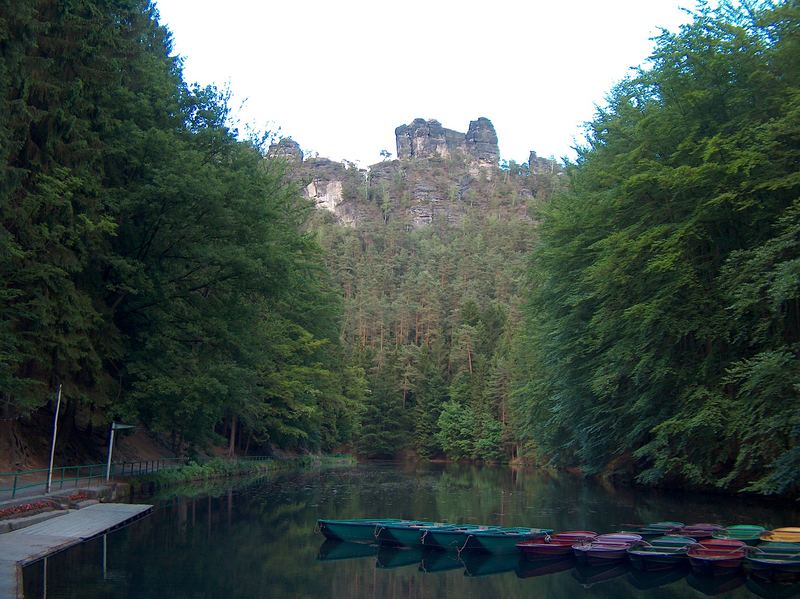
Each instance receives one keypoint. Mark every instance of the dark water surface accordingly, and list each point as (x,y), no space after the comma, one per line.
(257,540)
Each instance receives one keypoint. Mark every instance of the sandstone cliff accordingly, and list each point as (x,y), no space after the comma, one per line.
(439,175)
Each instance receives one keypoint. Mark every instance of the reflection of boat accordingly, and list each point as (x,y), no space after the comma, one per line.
(397,557)
(482,564)
(715,585)
(358,530)
(501,540)
(716,557)
(644,580)
(439,561)
(773,590)
(749,533)
(332,550)
(589,575)
(529,568)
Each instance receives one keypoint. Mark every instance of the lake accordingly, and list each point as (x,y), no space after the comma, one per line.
(257,539)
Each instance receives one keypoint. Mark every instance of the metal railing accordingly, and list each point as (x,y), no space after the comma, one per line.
(85,475)
(64,477)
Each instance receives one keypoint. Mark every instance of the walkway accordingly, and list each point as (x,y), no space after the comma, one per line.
(22,547)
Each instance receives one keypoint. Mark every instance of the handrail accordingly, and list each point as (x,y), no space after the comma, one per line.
(86,474)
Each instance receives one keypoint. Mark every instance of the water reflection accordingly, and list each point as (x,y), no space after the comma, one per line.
(431,560)
(257,540)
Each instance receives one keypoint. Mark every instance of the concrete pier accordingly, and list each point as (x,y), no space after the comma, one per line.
(22,547)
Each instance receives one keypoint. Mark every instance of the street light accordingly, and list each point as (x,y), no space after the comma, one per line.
(115,426)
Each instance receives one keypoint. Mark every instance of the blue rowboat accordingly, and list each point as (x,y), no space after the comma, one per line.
(502,540)
(452,537)
(360,530)
(407,532)
(653,558)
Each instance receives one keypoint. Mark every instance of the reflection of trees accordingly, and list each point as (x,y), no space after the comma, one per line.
(258,541)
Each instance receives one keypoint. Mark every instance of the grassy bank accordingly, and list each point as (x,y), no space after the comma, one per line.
(219,468)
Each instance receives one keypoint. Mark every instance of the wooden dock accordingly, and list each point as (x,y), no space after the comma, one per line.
(22,547)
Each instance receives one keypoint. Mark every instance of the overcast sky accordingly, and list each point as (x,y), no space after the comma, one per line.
(339,76)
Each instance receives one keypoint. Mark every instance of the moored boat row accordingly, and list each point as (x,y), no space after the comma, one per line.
(709,549)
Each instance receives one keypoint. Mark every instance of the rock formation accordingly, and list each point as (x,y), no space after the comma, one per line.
(428,139)
(420,188)
(540,166)
(287,149)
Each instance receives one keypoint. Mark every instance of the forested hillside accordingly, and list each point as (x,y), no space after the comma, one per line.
(636,313)
(663,323)
(430,313)
(151,262)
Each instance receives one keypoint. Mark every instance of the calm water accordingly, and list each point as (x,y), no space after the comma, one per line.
(257,540)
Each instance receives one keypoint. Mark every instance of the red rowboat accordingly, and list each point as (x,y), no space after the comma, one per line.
(718,556)
(557,545)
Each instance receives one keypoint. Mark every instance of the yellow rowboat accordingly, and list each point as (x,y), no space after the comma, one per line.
(782,535)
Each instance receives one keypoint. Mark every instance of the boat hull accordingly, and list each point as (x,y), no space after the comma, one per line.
(653,559)
(501,542)
(355,531)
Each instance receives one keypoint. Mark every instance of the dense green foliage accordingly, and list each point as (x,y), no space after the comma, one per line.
(663,328)
(430,311)
(150,261)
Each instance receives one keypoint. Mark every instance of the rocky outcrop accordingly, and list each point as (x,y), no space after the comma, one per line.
(542,166)
(481,141)
(428,139)
(286,149)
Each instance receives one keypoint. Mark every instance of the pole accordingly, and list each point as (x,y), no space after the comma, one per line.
(53,446)
(110,449)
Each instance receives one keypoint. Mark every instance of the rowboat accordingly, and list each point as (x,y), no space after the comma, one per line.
(782,535)
(358,530)
(654,557)
(501,540)
(749,533)
(452,537)
(406,533)
(672,541)
(557,545)
(605,549)
(699,531)
(774,561)
(654,529)
(717,556)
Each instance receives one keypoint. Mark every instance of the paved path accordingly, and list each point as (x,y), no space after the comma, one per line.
(22,547)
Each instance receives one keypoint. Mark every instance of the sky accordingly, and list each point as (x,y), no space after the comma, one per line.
(339,75)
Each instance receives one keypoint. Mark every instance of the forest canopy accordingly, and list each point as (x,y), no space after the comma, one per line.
(153,263)
(663,323)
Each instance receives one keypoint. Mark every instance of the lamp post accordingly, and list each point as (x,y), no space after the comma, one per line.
(53,445)
(115,426)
